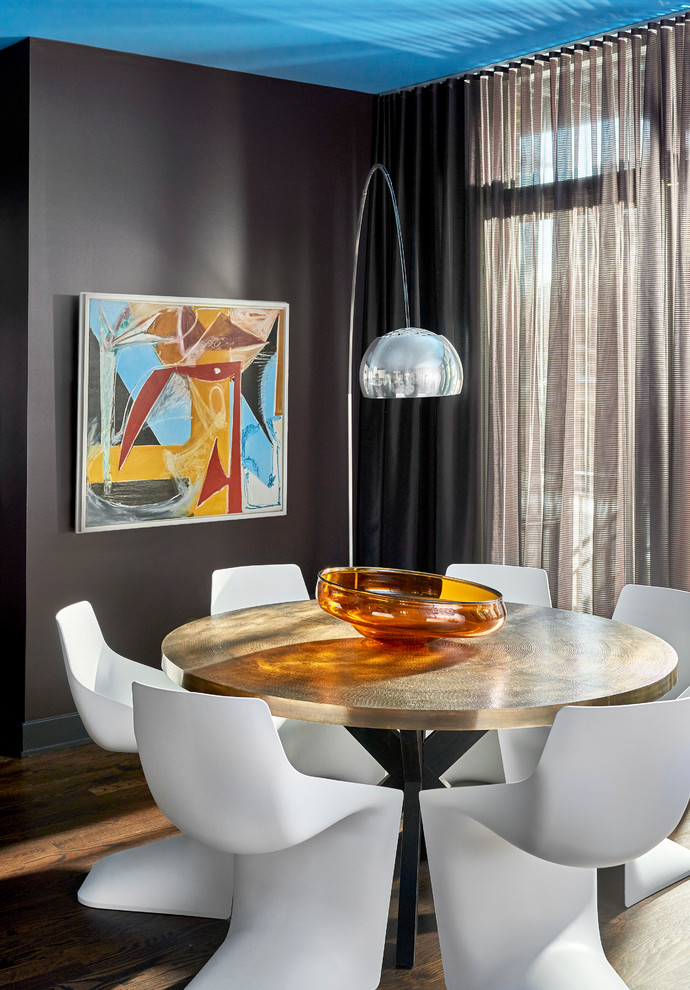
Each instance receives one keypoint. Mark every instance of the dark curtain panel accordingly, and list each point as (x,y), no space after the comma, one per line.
(417,457)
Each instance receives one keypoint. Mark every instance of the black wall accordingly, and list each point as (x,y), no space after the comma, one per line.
(155,177)
(14,204)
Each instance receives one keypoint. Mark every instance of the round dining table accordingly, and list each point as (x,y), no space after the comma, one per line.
(418,707)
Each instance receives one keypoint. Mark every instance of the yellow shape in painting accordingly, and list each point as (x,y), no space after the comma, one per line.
(211,414)
(143,463)
(216,505)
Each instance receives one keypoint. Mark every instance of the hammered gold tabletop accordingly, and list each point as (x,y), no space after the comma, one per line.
(306,664)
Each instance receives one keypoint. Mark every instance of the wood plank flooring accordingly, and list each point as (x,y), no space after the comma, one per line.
(63,810)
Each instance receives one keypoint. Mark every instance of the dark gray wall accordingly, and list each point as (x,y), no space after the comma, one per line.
(155,177)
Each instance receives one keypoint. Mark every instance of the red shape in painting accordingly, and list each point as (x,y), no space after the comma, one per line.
(141,407)
(216,479)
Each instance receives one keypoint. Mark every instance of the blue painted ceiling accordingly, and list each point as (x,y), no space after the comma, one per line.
(370,46)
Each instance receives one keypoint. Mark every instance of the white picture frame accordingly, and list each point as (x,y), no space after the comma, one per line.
(182,410)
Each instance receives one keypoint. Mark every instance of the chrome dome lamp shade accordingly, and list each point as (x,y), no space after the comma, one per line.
(407,363)
(410,363)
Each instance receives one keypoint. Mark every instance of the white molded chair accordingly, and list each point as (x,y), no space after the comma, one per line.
(314,748)
(313,857)
(172,876)
(513,866)
(100,679)
(665,612)
(503,754)
(256,584)
(524,585)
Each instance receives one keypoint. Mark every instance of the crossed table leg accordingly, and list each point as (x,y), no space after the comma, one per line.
(413,761)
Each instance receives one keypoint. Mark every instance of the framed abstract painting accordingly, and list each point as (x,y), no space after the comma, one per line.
(182,412)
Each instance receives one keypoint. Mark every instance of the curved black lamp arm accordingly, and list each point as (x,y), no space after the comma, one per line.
(350,477)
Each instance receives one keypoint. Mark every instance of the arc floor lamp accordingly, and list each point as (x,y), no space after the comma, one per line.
(406,363)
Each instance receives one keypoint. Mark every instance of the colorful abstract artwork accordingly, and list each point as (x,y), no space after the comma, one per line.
(182,410)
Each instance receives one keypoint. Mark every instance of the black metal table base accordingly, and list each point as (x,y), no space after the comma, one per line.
(413,761)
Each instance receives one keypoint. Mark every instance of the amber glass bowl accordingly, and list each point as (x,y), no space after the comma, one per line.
(409,606)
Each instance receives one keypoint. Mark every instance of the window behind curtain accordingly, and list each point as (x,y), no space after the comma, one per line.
(579,162)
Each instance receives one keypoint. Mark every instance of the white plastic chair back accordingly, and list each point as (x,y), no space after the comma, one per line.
(256,584)
(100,679)
(524,585)
(216,767)
(665,612)
(611,782)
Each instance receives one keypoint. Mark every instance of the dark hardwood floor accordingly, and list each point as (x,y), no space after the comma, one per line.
(63,810)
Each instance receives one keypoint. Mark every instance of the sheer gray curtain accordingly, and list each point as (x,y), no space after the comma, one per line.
(579,163)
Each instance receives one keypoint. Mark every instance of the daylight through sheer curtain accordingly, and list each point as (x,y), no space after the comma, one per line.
(578,167)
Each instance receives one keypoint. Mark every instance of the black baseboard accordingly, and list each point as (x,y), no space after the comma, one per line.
(23,738)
